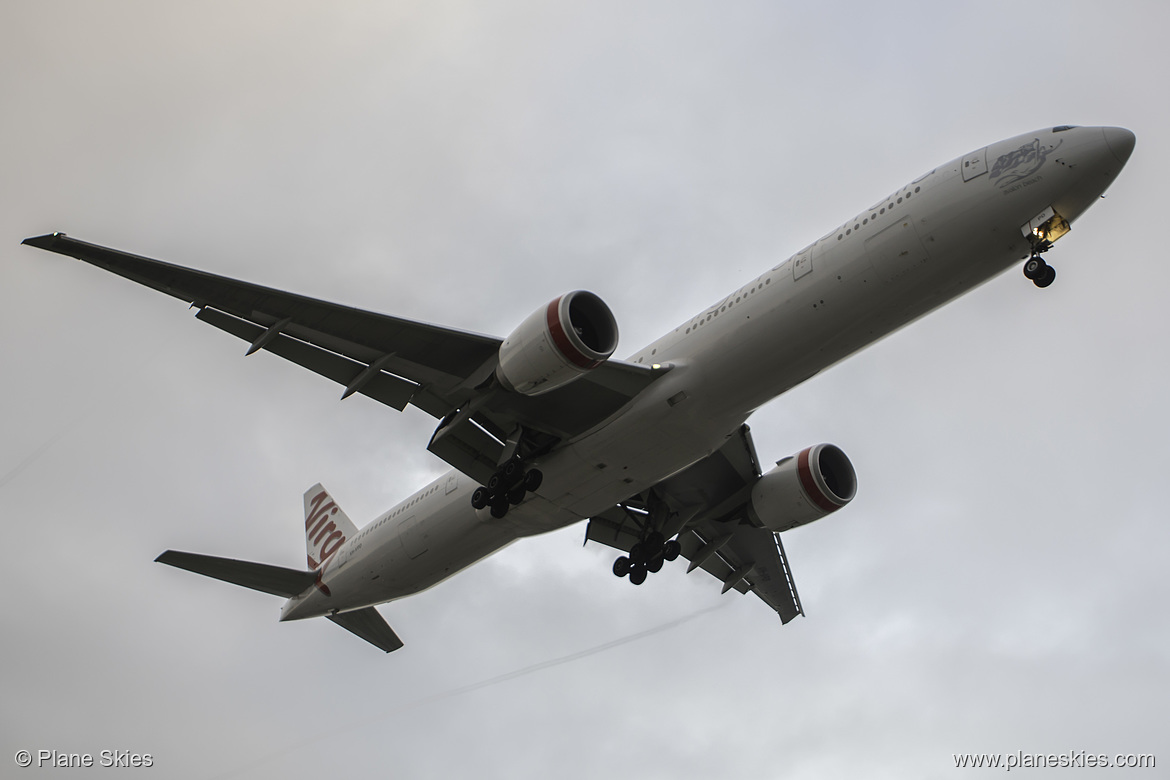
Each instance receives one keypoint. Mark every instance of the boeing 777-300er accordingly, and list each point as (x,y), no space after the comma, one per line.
(544,429)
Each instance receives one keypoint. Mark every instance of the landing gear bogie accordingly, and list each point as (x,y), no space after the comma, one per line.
(646,557)
(507,487)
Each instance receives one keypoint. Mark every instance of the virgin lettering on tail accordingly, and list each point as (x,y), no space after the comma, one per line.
(326,526)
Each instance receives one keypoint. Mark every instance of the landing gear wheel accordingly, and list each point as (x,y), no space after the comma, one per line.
(637,575)
(654,542)
(509,470)
(1035,268)
(671,550)
(654,565)
(621,567)
(494,482)
(638,554)
(1047,278)
(516,495)
(500,507)
(480,498)
(532,480)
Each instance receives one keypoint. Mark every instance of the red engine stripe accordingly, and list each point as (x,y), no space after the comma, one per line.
(561,339)
(815,494)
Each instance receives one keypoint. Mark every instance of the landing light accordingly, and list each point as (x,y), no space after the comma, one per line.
(1045,227)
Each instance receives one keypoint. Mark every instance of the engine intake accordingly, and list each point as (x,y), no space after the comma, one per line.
(558,343)
(804,487)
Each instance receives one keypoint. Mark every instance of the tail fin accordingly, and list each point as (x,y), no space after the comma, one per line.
(326,526)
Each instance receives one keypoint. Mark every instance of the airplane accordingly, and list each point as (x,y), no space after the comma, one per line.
(544,428)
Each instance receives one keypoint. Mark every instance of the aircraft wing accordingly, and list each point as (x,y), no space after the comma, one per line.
(718,538)
(396,361)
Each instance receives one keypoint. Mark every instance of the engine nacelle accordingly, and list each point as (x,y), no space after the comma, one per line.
(557,344)
(802,488)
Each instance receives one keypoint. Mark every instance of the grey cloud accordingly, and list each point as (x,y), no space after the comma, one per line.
(996,586)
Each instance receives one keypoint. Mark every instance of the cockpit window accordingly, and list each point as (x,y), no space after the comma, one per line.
(1062,128)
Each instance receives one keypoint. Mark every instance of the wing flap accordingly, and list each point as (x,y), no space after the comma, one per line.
(467,447)
(386,388)
(615,528)
(759,550)
(574,408)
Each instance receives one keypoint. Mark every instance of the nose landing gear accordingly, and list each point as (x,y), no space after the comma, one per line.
(1041,231)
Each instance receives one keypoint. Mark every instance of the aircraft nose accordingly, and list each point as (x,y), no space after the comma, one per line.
(1120,141)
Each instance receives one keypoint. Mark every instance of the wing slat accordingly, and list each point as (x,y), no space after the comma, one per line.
(388,389)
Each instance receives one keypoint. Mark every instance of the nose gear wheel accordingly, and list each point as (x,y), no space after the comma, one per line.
(1040,272)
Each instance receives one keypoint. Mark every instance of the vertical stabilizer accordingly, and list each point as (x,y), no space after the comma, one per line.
(326,526)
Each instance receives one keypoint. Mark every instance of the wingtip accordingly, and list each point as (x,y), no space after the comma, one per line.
(42,242)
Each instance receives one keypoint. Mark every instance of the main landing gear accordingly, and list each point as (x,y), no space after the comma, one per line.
(507,487)
(1040,272)
(645,556)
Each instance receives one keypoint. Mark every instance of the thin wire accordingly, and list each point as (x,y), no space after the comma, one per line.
(130,379)
(476,686)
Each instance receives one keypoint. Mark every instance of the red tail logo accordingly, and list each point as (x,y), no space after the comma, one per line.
(322,534)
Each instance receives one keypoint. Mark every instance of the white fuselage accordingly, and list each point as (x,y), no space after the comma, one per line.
(929,242)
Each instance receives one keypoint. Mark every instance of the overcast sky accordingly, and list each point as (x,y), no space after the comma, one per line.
(999,584)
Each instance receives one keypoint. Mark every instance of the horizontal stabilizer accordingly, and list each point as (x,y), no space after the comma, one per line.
(276,580)
(370,626)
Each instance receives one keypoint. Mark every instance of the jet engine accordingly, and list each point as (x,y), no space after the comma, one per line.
(557,343)
(804,487)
